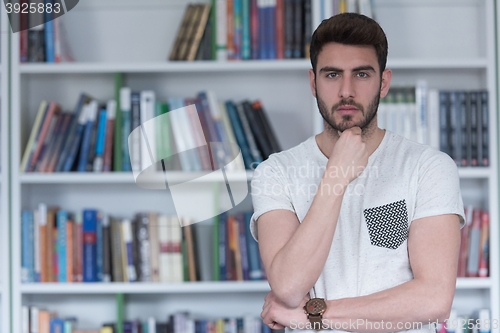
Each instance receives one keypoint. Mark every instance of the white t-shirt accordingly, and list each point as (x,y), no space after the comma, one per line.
(403,181)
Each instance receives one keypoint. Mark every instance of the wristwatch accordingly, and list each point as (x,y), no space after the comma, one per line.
(314,309)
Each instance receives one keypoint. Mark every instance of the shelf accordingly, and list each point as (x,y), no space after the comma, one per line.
(119,177)
(185,287)
(474,172)
(232,66)
(146,288)
(473,283)
(173,177)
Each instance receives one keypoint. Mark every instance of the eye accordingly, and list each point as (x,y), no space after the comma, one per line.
(362,74)
(332,75)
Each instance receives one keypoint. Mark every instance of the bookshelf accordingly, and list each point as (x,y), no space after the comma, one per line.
(110,36)
(5,306)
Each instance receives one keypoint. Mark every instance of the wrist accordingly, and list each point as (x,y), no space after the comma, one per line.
(333,183)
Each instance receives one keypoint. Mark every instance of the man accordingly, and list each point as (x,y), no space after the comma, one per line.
(361,220)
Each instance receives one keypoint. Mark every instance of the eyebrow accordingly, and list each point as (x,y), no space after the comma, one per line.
(356,69)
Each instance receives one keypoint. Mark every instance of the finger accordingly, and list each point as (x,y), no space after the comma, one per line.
(277,326)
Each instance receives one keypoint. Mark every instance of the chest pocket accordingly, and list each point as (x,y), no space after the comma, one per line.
(387,224)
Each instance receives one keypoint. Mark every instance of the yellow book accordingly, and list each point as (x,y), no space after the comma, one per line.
(30,146)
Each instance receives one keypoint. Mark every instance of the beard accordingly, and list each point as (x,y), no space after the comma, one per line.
(347,120)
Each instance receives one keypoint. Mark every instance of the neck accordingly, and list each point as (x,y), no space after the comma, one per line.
(371,135)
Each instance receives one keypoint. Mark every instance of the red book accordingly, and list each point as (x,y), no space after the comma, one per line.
(280,31)
(230,30)
(483,245)
(254,29)
(78,249)
(55,256)
(108,143)
(69,251)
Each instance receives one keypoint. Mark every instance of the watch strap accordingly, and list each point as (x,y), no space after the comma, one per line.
(316,321)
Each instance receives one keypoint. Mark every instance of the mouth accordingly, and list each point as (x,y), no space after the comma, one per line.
(347,109)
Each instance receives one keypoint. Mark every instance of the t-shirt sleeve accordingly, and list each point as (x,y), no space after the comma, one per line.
(269,192)
(438,188)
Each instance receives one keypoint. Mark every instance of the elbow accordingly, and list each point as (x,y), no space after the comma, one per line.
(441,309)
(288,296)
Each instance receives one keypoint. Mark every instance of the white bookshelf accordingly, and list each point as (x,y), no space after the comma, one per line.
(4,175)
(426,41)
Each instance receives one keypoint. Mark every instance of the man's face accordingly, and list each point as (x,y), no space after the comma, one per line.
(348,85)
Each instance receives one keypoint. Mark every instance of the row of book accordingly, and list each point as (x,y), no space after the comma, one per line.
(90,246)
(38,320)
(455,122)
(46,42)
(474,246)
(86,139)
(243,30)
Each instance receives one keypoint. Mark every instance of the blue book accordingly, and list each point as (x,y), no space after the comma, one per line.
(99,247)
(87,134)
(125,109)
(28,241)
(56,325)
(253,250)
(89,245)
(68,154)
(49,34)
(222,246)
(237,13)
(101,132)
(239,134)
(271,29)
(62,241)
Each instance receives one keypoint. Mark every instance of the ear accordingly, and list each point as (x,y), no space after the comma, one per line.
(386,82)
(312,82)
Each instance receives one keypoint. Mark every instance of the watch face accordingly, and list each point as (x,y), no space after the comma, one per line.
(315,306)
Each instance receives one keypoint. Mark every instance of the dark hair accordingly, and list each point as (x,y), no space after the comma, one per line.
(349,29)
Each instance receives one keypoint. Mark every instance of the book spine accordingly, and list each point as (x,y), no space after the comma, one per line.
(474,128)
(99,146)
(49,35)
(89,245)
(307,27)
(263,51)
(289,28)
(485,159)
(254,29)
(222,246)
(27,270)
(106,249)
(144,246)
(221,29)
(127,239)
(271,28)
(280,29)
(238,28)
(230,29)
(444,136)
(243,246)
(78,250)
(36,246)
(134,142)
(69,249)
(87,136)
(99,247)
(245,26)
(253,251)
(164,248)
(298,40)
(62,238)
(125,105)
(110,129)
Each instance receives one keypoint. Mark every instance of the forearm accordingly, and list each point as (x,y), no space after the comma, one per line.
(407,304)
(298,265)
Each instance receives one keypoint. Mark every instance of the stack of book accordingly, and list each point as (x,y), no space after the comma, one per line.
(35,319)
(244,29)
(455,122)
(87,139)
(89,246)
(474,246)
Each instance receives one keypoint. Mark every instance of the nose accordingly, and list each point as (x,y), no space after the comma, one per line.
(347,88)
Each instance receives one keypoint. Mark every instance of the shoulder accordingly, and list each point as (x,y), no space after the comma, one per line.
(424,157)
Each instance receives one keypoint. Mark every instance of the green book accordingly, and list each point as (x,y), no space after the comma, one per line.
(213,27)
(185,263)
